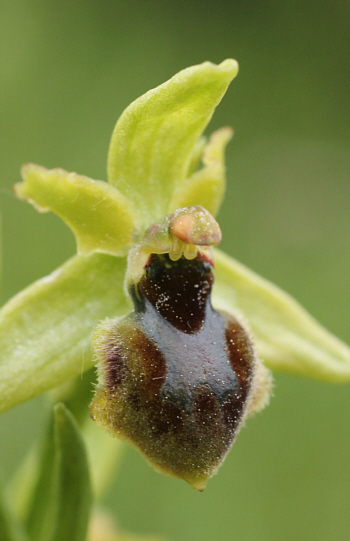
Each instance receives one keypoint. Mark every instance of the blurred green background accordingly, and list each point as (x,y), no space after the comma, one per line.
(68,69)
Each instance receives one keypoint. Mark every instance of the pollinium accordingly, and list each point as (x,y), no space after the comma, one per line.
(176,377)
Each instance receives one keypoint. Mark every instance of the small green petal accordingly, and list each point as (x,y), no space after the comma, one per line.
(152,144)
(45,330)
(206,187)
(196,155)
(288,339)
(101,218)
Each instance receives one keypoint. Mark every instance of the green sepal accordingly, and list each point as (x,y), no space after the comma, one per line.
(101,218)
(45,330)
(10,528)
(153,141)
(288,339)
(74,494)
(206,187)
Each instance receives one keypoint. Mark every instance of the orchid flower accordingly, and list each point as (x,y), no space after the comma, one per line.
(154,222)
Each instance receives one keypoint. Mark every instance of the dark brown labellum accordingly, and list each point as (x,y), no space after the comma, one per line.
(176,377)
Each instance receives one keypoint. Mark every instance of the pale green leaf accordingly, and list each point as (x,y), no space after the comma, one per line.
(32,482)
(45,330)
(101,218)
(40,512)
(104,452)
(206,187)
(60,498)
(74,494)
(288,339)
(152,144)
(23,483)
(32,486)
(10,528)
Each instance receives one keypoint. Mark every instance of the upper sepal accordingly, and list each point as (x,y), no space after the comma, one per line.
(152,146)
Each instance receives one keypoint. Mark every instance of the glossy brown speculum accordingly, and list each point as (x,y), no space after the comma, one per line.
(176,375)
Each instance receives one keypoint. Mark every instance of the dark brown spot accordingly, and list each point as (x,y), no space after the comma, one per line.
(241,353)
(152,363)
(116,368)
(166,417)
